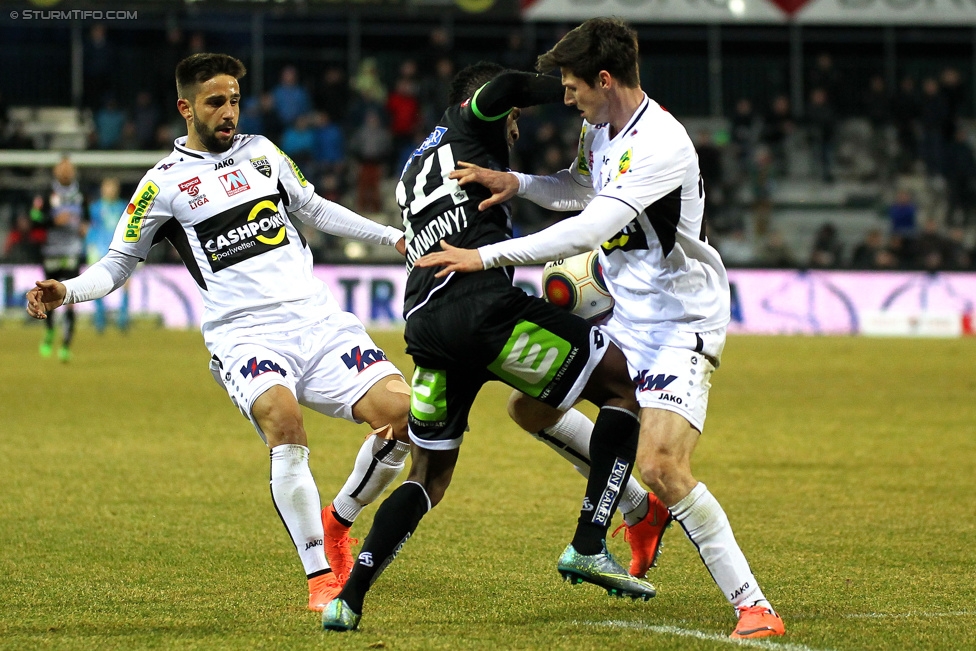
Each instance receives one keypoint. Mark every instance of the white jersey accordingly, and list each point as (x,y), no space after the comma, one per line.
(226,216)
(659,268)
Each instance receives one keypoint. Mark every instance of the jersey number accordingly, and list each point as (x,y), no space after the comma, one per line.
(446,187)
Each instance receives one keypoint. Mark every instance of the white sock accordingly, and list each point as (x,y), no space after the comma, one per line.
(570,438)
(378,463)
(708,527)
(296,498)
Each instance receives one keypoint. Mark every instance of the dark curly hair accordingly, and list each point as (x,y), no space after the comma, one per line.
(198,68)
(470,79)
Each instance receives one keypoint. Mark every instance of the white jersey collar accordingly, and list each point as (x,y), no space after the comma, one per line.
(638,114)
(179,145)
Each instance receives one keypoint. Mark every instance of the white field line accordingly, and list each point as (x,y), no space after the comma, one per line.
(702,635)
(911,614)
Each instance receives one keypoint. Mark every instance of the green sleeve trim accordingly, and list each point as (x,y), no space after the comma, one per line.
(479,114)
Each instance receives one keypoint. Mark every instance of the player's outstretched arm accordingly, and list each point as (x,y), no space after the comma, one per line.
(44,297)
(502,185)
(452,259)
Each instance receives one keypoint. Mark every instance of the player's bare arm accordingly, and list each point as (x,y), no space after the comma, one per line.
(44,297)
(452,259)
(503,186)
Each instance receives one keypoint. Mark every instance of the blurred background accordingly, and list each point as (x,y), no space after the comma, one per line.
(832,134)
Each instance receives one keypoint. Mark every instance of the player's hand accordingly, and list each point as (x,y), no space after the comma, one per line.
(401,246)
(502,185)
(452,259)
(47,295)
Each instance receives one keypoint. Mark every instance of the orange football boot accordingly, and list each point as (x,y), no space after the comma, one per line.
(757,621)
(338,545)
(646,537)
(321,590)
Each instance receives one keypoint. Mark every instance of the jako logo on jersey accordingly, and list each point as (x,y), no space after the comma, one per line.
(255,368)
(366,559)
(604,510)
(142,201)
(243,232)
(224,163)
(191,187)
(361,360)
(165,166)
(262,165)
(659,382)
(234,182)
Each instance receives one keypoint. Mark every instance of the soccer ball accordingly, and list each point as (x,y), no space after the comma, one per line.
(576,284)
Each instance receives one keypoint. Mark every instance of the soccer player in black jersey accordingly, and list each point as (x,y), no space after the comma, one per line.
(466,329)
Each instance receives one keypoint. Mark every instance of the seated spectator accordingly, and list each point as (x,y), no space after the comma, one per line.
(259,116)
(332,94)
(329,149)
(822,121)
(291,100)
(145,118)
(24,241)
(370,145)
(737,250)
(298,140)
(955,256)
(868,253)
(960,175)
(403,109)
(827,249)
(929,247)
(778,125)
(369,93)
(902,214)
(109,121)
(775,253)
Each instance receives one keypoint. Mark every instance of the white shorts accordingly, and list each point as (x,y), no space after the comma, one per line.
(673,369)
(327,366)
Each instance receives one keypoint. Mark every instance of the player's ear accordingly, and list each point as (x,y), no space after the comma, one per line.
(184,107)
(604,79)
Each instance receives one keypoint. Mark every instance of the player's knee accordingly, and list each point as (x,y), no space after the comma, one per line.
(658,469)
(530,414)
(280,421)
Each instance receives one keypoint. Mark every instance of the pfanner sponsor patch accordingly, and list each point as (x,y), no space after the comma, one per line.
(294,168)
(243,232)
(142,201)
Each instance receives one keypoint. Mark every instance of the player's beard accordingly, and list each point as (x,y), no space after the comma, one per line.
(208,137)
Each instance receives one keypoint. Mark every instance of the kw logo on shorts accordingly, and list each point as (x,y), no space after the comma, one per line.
(659,383)
(532,359)
(242,232)
(254,368)
(361,360)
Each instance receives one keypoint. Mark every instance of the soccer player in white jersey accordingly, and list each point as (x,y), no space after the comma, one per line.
(637,182)
(276,335)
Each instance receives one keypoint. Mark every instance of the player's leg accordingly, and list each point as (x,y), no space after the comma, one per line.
(380,459)
(64,353)
(439,410)
(261,383)
(351,378)
(568,434)
(46,347)
(673,393)
(99,318)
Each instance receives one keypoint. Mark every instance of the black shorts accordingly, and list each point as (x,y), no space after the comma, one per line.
(480,329)
(61,268)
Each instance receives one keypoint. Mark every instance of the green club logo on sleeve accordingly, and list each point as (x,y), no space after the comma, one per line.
(531,358)
(428,400)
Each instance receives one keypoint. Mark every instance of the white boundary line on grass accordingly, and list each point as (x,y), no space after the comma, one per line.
(911,614)
(702,635)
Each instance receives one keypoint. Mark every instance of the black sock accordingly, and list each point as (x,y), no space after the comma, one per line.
(613,448)
(393,525)
(69,330)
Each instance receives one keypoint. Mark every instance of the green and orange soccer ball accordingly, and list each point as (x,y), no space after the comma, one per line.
(576,284)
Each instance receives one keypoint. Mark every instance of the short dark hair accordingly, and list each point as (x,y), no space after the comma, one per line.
(470,79)
(198,68)
(598,44)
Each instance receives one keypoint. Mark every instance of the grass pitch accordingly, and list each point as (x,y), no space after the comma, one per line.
(135,511)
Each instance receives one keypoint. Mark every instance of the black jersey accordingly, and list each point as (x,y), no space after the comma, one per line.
(435,207)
